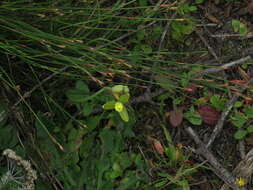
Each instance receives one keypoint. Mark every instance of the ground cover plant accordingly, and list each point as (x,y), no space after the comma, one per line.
(124,95)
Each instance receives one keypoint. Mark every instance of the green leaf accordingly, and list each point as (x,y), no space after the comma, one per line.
(218,102)
(236,25)
(161,183)
(93,121)
(124,114)
(76,96)
(87,109)
(192,8)
(124,98)
(240,134)
(193,117)
(239,119)
(82,87)
(249,112)
(238,104)
(250,129)
(243,29)
(109,105)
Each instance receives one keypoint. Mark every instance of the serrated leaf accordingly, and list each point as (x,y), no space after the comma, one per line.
(109,105)
(240,134)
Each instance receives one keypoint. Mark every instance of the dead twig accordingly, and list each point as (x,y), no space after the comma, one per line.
(210,49)
(222,172)
(165,32)
(250,35)
(241,146)
(223,67)
(224,114)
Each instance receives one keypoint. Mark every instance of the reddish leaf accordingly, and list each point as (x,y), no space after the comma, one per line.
(209,114)
(158,146)
(176,117)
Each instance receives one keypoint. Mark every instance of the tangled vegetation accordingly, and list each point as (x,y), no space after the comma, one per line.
(106,95)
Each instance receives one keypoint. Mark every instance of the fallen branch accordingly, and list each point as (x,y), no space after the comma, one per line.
(223,67)
(219,170)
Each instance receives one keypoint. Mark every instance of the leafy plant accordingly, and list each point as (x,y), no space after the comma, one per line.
(121,95)
(180,169)
(193,117)
(186,26)
(241,120)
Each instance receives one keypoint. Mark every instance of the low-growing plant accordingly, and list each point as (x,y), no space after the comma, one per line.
(241,119)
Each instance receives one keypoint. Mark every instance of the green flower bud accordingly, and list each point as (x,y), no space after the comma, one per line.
(117,88)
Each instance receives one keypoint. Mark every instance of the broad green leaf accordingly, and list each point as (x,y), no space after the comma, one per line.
(109,105)
(250,129)
(249,112)
(193,117)
(124,114)
(76,96)
(82,87)
(92,122)
(87,108)
(124,98)
(240,134)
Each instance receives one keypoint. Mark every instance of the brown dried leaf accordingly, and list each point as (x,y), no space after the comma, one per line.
(176,117)
(158,146)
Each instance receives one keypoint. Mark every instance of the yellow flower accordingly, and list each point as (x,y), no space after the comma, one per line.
(240,181)
(118,106)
